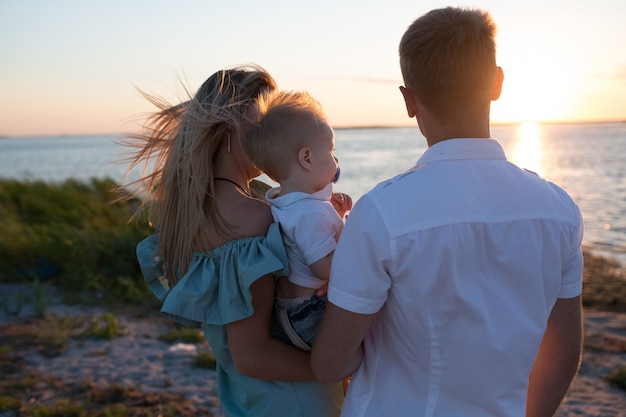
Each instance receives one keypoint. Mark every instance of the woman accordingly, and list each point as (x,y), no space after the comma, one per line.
(215,259)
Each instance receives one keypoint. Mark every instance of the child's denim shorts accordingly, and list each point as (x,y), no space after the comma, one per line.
(300,322)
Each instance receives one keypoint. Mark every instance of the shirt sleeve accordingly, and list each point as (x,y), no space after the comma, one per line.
(572,272)
(359,278)
(316,233)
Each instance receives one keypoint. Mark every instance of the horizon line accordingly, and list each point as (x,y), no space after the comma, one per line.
(337,127)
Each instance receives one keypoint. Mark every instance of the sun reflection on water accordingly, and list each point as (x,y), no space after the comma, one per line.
(528,151)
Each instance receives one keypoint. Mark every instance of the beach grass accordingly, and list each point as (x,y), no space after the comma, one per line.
(618,378)
(71,235)
(604,280)
(183,334)
(85,399)
(75,236)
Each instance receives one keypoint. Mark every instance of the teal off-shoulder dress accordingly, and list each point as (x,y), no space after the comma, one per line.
(215,291)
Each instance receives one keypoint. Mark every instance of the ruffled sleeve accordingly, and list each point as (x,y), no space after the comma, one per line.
(216,287)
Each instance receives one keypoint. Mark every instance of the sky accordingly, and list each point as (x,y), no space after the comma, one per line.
(75,66)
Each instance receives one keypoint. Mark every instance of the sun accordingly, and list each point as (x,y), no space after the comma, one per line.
(540,83)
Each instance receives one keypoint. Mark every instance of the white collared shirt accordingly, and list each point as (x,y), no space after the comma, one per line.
(463,258)
(310,227)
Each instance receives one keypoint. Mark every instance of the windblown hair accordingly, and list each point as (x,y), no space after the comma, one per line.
(286,120)
(182,141)
(448,59)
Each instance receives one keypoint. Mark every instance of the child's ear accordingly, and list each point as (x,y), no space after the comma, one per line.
(304,158)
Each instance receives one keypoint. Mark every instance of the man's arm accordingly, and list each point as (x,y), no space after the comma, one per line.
(558,359)
(337,350)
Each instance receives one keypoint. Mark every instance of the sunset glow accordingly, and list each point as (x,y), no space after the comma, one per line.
(541,85)
(527,152)
(66,71)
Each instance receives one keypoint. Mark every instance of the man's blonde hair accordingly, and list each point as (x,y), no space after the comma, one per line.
(448,59)
(285,122)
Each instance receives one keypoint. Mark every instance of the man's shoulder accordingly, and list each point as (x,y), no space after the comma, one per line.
(386,183)
(543,185)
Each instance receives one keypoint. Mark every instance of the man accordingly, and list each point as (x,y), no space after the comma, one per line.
(455,287)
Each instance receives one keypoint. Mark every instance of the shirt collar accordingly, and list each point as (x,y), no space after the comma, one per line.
(458,149)
(285,200)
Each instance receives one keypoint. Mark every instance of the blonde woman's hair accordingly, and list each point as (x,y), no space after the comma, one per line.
(285,122)
(182,141)
(448,59)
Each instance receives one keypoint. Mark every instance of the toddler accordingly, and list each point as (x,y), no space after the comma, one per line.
(293,144)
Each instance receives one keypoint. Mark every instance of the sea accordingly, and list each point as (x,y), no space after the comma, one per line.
(588,160)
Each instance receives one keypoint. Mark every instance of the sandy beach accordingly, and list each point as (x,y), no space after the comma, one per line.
(158,377)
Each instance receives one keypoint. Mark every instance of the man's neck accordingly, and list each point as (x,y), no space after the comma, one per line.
(437,132)
(471,123)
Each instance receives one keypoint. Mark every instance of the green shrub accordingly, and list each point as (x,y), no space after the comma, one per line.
(204,360)
(603,283)
(9,403)
(183,334)
(58,408)
(105,326)
(618,377)
(73,235)
(55,331)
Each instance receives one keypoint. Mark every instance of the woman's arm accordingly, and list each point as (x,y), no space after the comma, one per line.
(258,355)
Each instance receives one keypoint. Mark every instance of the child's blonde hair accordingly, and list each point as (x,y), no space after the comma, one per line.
(285,122)
(182,141)
(448,59)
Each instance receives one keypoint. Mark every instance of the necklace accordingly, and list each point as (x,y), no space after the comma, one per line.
(239,187)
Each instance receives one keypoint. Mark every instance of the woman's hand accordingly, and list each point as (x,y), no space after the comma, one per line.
(342,203)
(323,290)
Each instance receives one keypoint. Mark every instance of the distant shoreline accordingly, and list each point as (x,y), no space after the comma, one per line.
(495,124)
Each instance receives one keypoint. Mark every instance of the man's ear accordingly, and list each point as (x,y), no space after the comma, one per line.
(304,158)
(409,101)
(497,84)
